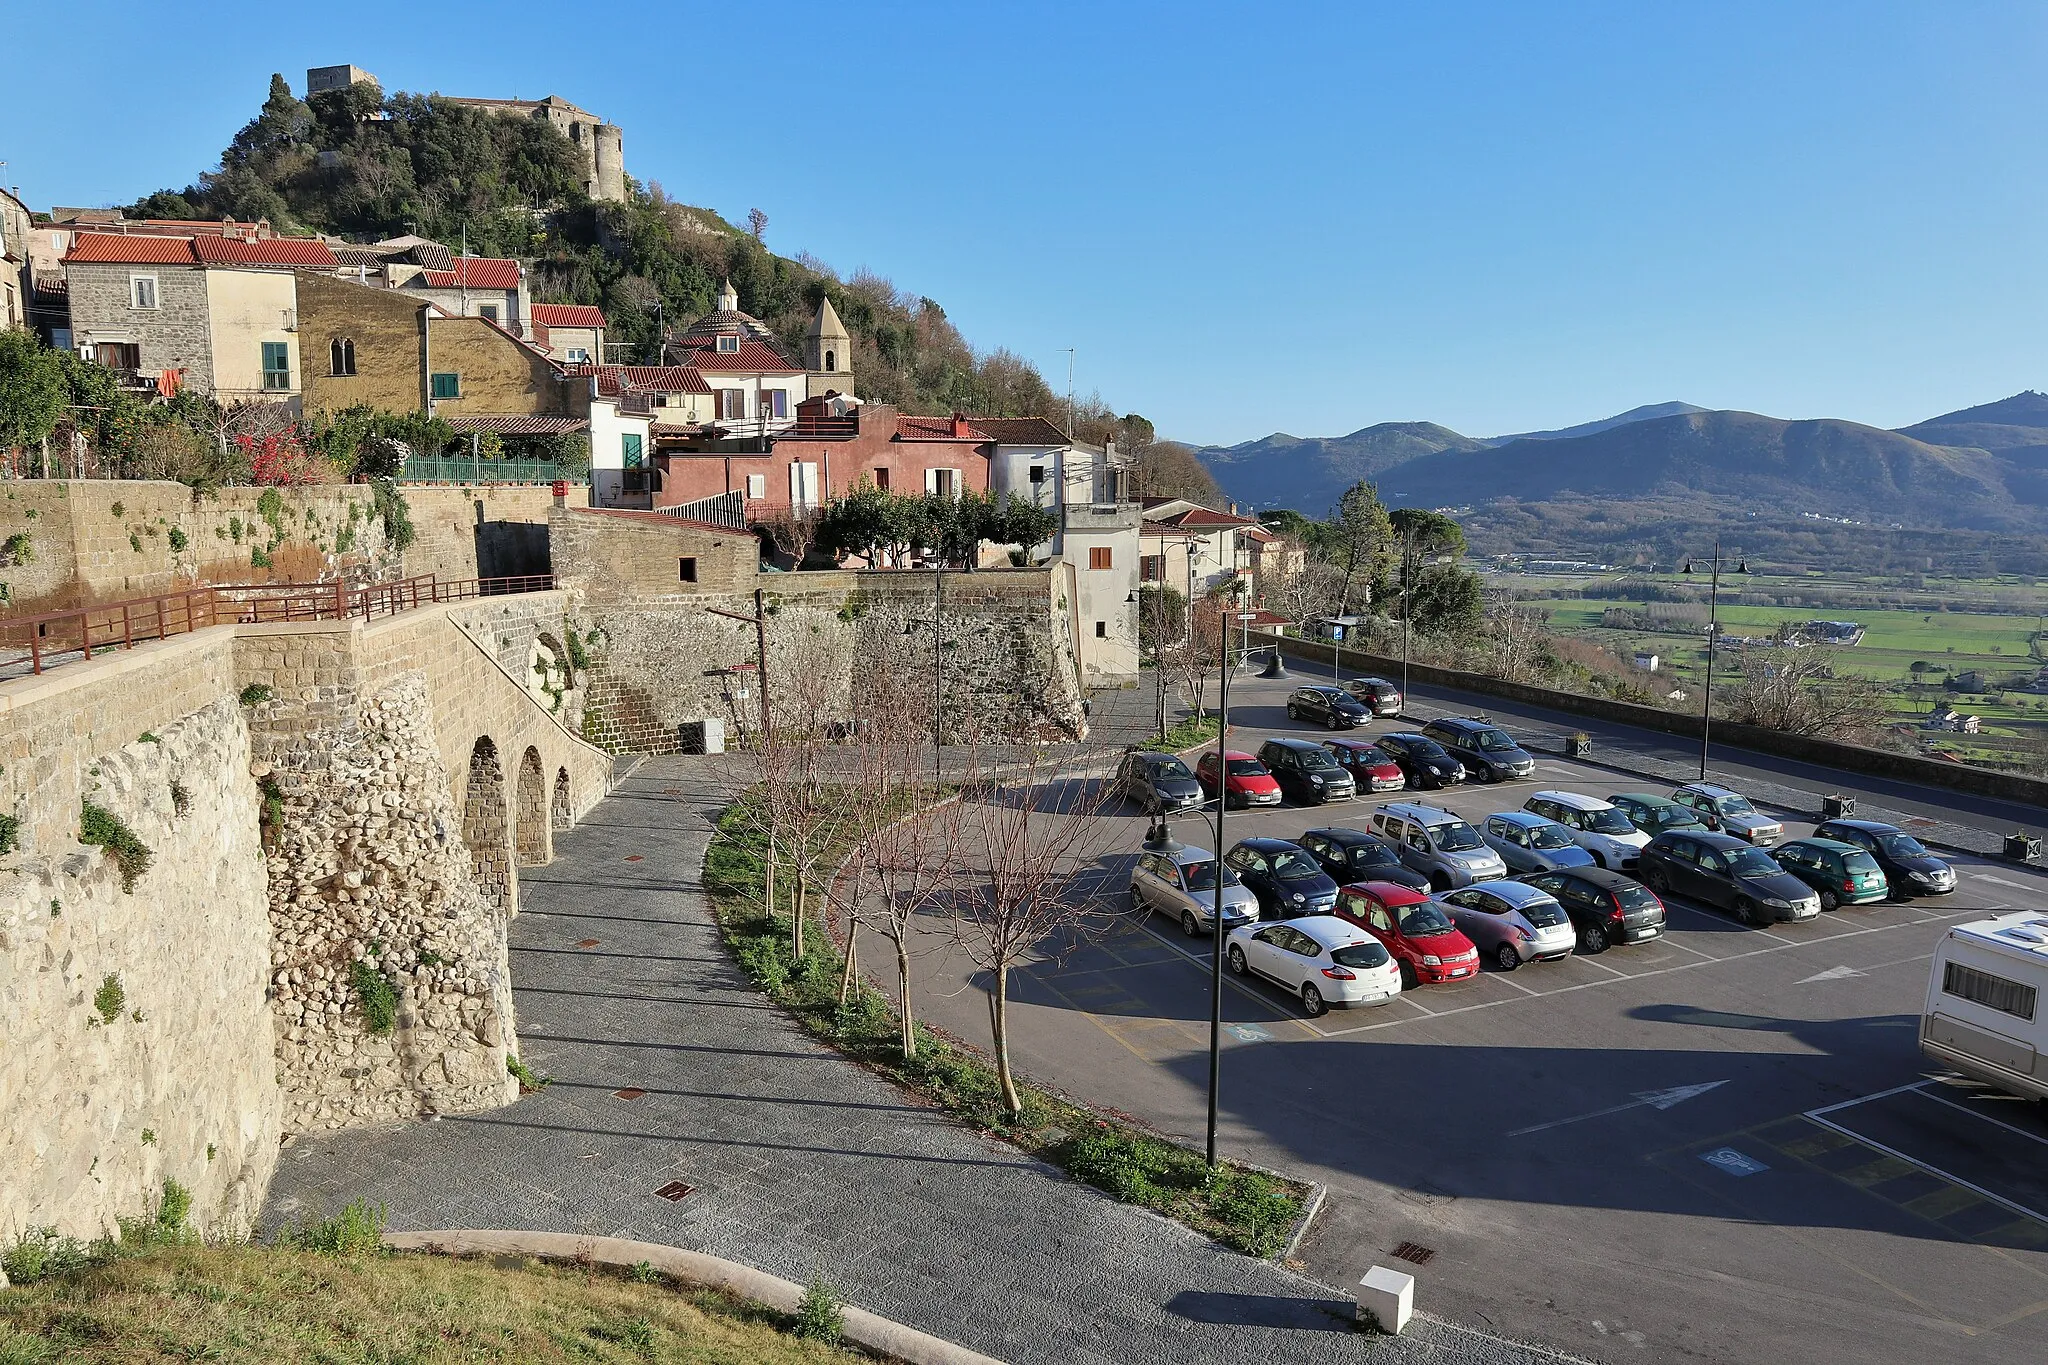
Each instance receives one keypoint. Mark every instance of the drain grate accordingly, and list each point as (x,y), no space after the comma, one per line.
(1415,1253)
(673,1191)
(586,943)
(629,1093)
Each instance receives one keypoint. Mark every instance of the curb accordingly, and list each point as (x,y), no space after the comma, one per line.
(1318,1192)
(872,1333)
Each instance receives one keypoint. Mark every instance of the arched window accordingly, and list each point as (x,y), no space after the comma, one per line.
(831,363)
(341,356)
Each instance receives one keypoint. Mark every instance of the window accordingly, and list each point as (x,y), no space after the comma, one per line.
(579,355)
(1102,630)
(633,481)
(1152,568)
(142,291)
(943,483)
(341,357)
(757,486)
(488,312)
(728,345)
(629,450)
(1099,557)
(882,479)
(687,568)
(775,402)
(447,386)
(277,365)
(1038,473)
(1992,992)
(732,404)
(803,483)
(831,362)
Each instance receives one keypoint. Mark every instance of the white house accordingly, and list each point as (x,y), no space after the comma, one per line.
(621,445)
(1189,547)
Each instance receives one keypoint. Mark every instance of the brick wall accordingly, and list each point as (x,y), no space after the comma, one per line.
(172,336)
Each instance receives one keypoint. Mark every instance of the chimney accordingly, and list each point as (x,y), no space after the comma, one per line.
(961,427)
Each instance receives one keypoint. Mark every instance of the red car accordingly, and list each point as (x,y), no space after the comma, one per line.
(1249,783)
(1368,765)
(1414,929)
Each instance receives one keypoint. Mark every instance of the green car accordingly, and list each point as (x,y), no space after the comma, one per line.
(1842,873)
(1655,814)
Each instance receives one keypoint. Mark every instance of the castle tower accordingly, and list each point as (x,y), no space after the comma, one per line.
(828,351)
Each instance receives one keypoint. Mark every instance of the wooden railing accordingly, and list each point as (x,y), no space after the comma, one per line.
(52,638)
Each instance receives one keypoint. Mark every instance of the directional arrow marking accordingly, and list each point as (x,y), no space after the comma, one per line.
(1831,974)
(1645,1099)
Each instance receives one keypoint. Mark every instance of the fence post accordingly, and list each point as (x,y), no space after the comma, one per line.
(127,627)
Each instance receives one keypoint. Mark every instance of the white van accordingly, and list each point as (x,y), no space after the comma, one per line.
(1983,1014)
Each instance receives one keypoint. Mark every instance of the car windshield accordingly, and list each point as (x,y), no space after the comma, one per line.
(1664,817)
(1550,836)
(1456,837)
(1544,913)
(1247,767)
(1366,954)
(1902,846)
(1424,748)
(1372,756)
(1753,862)
(1170,767)
(1636,898)
(1373,855)
(1202,876)
(1493,741)
(1734,805)
(1860,862)
(1315,760)
(1420,921)
(1608,820)
(1295,866)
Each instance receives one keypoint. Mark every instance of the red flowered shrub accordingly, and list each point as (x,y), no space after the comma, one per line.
(280,459)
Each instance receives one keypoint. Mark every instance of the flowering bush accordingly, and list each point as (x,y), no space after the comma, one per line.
(279,459)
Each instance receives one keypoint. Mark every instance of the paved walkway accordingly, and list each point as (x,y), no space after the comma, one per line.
(800,1163)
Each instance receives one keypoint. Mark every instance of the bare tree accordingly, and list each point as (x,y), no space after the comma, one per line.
(1515,637)
(1311,592)
(757,224)
(794,530)
(1799,692)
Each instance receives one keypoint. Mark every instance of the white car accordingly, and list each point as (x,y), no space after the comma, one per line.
(1597,826)
(1320,959)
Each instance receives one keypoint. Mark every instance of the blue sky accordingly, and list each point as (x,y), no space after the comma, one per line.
(1248,218)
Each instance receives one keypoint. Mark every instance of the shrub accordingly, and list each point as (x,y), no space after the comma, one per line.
(643,1273)
(10,834)
(259,558)
(356,1231)
(391,509)
(101,827)
(578,659)
(177,539)
(109,998)
(135,542)
(41,1253)
(181,798)
(255,694)
(819,1316)
(118,510)
(379,999)
(18,548)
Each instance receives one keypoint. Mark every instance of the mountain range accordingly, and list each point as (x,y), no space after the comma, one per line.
(1981,468)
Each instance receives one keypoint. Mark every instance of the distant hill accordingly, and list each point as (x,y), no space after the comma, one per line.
(2015,427)
(1309,473)
(2024,409)
(1621,419)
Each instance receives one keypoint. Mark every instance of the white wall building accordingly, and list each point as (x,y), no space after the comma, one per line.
(621,447)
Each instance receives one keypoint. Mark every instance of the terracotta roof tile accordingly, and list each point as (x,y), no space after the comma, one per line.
(614,379)
(751,358)
(932,429)
(1020,431)
(519,424)
(478,272)
(271,251)
(568,315)
(120,250)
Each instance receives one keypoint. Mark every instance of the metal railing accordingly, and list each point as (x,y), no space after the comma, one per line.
(51,639)
(465,470)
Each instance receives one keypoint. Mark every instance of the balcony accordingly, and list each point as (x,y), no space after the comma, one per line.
(1101,516)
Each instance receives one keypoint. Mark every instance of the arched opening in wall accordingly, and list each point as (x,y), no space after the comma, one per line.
(483,826)
(561,814)
(532,833)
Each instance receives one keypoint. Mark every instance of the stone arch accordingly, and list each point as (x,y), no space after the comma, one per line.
(484,829)
(561,815)
(534,842)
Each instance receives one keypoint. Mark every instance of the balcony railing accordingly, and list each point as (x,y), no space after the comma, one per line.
(468,470)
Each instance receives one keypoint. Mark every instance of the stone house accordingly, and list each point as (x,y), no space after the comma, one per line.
(16,282)
(571,333)
(757,386)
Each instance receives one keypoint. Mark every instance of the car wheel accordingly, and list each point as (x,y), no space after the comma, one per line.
(1599,858)
(1749,912)
(1408,978)
(1188,925)
(1293,712)
(1312,1000)
(1594,939)
(1237,962)
(1507,959)
(1336,721)
(1829,900)
(1654,879)
(1137,902)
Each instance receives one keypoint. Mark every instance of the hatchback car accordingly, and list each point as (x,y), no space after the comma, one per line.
(1247,783)
(1370,768)
(1510,922)
(1730,812)
(1331,706)
(1606,907)
(1437,844)
(1424,763)
(1653,815)
(1181,885)
(1352,855)
(1727,872)
(1839,873)
(1596,826)
(1413,928)
(1483,747)
(1158,784)
(1286,880)
(1383,697)
(1305,771)
(1907,865)
(1527,842)
(1320,959)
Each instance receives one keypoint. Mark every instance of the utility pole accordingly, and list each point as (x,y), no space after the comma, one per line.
(1404,623)
(462,266)
(938,669)
(1070,392)
(760,623)
(1713,633)
(1216,908)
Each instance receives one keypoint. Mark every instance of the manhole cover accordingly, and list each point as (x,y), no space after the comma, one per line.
(629,1093)
(1415,1252)
(586,942)
(673,1191)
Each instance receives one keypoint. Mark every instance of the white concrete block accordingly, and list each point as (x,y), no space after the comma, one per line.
(1386,1297)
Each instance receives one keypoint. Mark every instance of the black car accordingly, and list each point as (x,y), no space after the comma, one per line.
(1330,706)
(1422,761)
(1382,696)
(1306,772)
(1352,855)
(1288,882)
(1157,784)
(1907,865)
(1483,747)
(1727,872)
(1606,907)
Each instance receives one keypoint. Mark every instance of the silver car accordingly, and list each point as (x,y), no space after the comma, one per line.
(1437,844)
(1510,922)
(1527,842)
(1596,826)
(1729,812)
(1181,884)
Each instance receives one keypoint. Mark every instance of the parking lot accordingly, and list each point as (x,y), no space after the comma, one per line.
(1723,1143)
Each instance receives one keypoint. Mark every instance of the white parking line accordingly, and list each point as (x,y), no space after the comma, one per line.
(1816,1116)
(1979,1114)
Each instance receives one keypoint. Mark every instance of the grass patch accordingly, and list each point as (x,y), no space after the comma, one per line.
(1186,734)
(530,1082)
(1244,1209)
(245,1305)
(379,998)
(102,828)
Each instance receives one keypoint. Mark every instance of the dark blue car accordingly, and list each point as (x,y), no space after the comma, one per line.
(1288,881)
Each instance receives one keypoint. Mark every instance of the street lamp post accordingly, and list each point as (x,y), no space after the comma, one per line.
(1713,634)
(938,669)
(1216,905)
(1405,613)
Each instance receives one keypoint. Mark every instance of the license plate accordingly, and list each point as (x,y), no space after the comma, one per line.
(1651,933)
(1459,971)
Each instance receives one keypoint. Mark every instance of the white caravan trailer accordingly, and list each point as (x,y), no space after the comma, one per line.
(1984,996)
